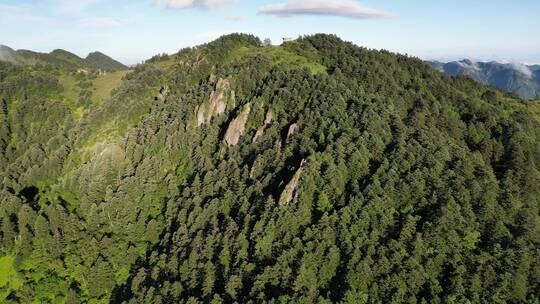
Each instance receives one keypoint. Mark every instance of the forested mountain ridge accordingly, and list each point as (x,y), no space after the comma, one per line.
(61,59)
(98,60)
(523,80)
(317,171)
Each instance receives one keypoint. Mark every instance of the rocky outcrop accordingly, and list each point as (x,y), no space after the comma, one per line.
(258,134)
(162,94)
(292,130)
(269,117)
(237,127)
(233,98)
(289,193)
(217,104)
(260,130)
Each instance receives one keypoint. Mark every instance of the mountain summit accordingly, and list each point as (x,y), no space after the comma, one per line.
(99,60)
(235,172)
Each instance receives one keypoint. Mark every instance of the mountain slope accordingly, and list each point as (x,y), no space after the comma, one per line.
(61,59)
(8,54)
(70,59)
(317,171)
(520,79)
(101,61)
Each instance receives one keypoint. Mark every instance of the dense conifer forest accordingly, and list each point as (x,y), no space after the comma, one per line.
(236,172)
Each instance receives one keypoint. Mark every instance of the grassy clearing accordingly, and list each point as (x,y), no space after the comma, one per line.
(278,55)
(71,89)
(165,64)
(103,86)
(9,279)
(71,95)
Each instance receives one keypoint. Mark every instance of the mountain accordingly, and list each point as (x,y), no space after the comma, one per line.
(8,54)
(233,172)
(101,61)
(514,78)
(61,59)
(70,59)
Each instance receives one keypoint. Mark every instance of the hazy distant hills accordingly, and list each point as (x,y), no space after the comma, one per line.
(521,79)
(61,59)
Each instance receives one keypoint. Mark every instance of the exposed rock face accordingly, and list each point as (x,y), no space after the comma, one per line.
(258,134)
(237,127)
(289,193)
(292,130)
(217,104)
(233,98)
(163,92)
(260,130)
(269,117)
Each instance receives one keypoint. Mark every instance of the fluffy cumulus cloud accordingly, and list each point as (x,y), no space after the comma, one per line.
(340,8)
(182,4)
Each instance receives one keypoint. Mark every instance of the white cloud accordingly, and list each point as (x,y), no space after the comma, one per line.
(467,64)
(182,4)
(523,69)
(340,8)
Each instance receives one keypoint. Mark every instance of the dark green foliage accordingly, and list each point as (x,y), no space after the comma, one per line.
(158,58)
(68,60)
(221,47)
(98,60)
(413,187)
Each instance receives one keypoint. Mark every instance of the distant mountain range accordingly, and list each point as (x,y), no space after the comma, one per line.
(524,80)
(61,59)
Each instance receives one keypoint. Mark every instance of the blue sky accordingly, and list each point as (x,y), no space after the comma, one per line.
(134,30)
